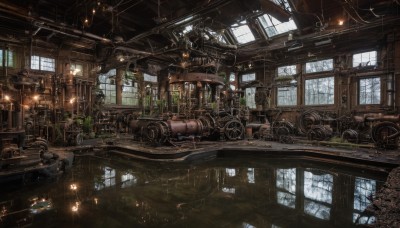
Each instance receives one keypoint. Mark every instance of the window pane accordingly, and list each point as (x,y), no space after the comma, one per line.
(287,96)
(149,78)
(370,91)
(364,59)
(319,66)
(274,27)
(248,77)
(35,63)
(284,4)
(77,69)
(47,64)
(107,84)
(250,97)
(287,70)
(319,91)
(129,94)
(242,33)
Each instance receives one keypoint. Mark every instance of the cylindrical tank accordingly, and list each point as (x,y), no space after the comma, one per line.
(185,127)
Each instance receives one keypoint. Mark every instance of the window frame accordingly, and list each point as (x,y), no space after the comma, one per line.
(243,25)
(10,64)
(319,71)
(360,64)
(372,89)
(318,92)
(295,94)
(40,64)
(108,93)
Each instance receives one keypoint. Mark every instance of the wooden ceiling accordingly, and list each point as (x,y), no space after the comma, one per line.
(146,30)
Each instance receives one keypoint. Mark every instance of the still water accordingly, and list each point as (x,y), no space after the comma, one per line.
(225,192)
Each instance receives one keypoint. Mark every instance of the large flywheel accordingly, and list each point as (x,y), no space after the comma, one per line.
(156,132)
(386,135)
(234,130)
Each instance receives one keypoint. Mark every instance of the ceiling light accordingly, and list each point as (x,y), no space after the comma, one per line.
(340,22)
(93,11)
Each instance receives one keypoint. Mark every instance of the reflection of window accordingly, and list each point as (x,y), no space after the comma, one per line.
(242,32)
(364,189)
(318,194)
(107,180)
(250,97)
(230,172)
(9,58)
(250,176)
(287,70)
(286,187)
(319,91)
(273,26)
(43,63)
(319,66)
(229,190)
(370,91)
(128,180)
(107,85)
(364,59)
(287,96)
(247,225)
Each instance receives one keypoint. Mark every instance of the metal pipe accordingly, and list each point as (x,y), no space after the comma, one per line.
(390,90)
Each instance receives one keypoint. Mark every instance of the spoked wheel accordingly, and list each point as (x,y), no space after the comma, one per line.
(234,130)
(386,135)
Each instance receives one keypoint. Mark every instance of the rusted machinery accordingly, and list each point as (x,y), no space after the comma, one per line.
(383,130)
(159,131)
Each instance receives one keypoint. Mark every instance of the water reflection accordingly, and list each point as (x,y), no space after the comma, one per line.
(286,187)
(220,193)
(363,194)
(318,194)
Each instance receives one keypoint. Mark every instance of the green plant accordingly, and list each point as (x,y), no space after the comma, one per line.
(87,125)
(242,101)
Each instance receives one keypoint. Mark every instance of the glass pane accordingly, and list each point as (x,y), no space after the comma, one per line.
(47,64)
(242,33)
(287,70)
(274,27)
(319,91)
(250,97)
(364,59)
(370,91)
(149,78)
(248,77)
(35,62)
(319,66)
(287,96)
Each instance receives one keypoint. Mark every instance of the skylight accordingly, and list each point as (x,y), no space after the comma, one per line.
(218,36)
(283,3)
(187,29)
(273,26)
(242,32)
